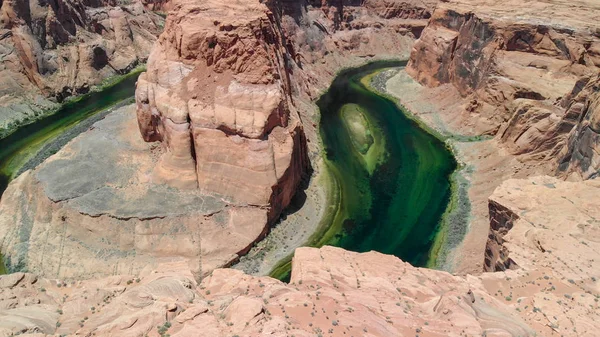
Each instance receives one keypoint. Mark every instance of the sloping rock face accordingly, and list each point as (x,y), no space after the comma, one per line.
(221,107)
(217,95)
(92,210)
(548,231)
(332,292)
(52,50)
(513,70)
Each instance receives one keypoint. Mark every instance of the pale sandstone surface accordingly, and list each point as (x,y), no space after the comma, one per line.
(548,231)
(91,210)
(332,292)
(52,50)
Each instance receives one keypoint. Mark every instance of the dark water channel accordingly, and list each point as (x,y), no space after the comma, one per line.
(389,179)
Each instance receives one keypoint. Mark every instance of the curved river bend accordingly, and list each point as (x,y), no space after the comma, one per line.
(389,179)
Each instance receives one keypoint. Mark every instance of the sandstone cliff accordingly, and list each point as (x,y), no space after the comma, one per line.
(93,210)
(52,50)
(547,230)
(217,95)
(513,71)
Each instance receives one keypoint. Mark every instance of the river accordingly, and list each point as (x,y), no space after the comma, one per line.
(389,179)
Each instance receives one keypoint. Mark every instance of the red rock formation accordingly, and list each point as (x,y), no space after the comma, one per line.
(511,71)
(580,158)
(216,95)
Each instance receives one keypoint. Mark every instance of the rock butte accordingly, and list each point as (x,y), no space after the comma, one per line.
(226,109)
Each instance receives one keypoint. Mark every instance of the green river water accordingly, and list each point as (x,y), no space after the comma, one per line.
(389,180)
(30,144)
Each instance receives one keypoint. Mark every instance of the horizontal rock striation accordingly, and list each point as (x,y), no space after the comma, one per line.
(92,210)
(52,50)
(216,94)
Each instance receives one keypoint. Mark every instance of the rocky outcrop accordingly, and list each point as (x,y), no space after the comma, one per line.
(511,70)
(549,230)
(332,292)
(52,50)
(543,220)
(580,158)
(216,94)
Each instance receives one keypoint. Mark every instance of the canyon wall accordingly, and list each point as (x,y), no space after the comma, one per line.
(517,73)
(580,158)
(56,49)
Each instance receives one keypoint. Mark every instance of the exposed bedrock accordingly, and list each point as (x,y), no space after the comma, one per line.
(543,220)
(547,230)
(216,94)
(337,292)
(519,75)
(580,158)
(55,49)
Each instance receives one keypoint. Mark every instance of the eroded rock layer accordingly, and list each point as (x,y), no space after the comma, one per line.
(52,50)
(216,94)
(226,88)
(517,72)
(92,210)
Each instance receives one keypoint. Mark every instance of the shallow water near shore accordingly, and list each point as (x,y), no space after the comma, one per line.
(388,193)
